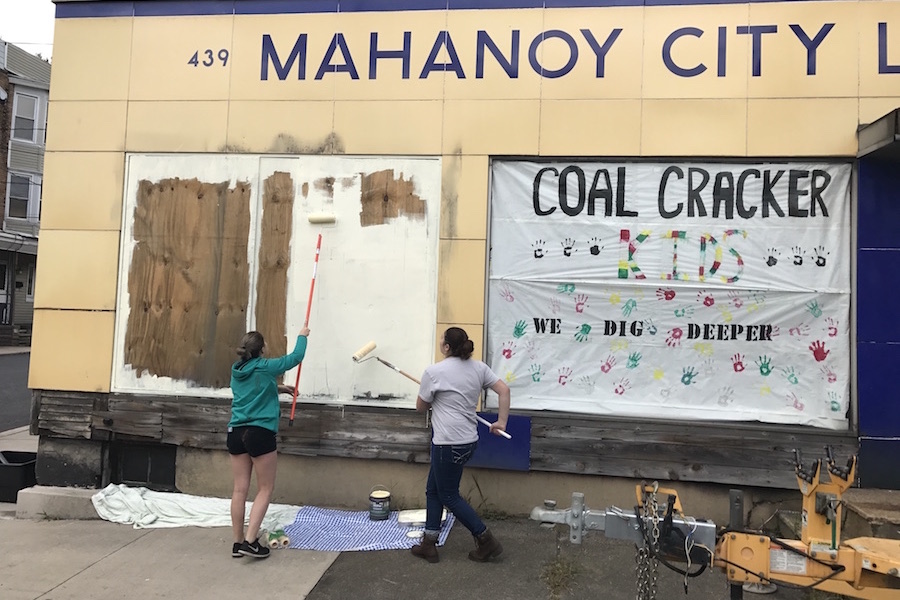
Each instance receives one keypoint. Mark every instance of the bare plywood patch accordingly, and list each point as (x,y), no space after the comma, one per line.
(384,197)
(274,260)
(326,184)
(304,189)
(188,280)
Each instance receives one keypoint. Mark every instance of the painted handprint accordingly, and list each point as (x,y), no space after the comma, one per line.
(509,350)
(658,374)
(568,247)
(665,392)
(801,330)
(538,248)
(834,402)
(621,387)
(531,349)
(509,377)
(674,338)
(687,375)
(819,351)
(827,374)
(726,395)
(608,364)
(563,375)
(634,359)
(776,331)
(628,307)
(790,374)
(536,372)
(765,390)
(735,299)
(595,246)
(581,303)
(582,334)
(566,288)
(665,294)
(586,383)
(819,255)
(773,257)
(703,348)
(684,312)
(651,328)
(726,314)
(813,308)
(794,401)
(615,298)
(737,363)
(519,329)
(618,345)
(765,365)
(706,298)
(554,305)
(798,255)
(831,327)
(506,294)
(708,367)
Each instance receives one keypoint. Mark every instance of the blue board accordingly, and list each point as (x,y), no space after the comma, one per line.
(497,452)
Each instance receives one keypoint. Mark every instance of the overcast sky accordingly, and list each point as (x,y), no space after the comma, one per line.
(28,24)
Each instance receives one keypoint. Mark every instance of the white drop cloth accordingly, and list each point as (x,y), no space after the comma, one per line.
(145,508)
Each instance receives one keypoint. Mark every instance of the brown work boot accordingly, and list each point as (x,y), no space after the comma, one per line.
(427,549)
(486,547)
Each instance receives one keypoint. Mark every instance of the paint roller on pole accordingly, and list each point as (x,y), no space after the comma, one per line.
(359,356)
(312,286)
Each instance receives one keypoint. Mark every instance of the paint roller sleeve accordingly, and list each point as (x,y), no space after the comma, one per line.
(321,218)
(362,352)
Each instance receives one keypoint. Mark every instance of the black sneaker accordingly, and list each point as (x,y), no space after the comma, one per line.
(236,550)
(254,549)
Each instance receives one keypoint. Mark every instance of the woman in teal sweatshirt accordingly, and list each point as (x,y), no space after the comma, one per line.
(255,413)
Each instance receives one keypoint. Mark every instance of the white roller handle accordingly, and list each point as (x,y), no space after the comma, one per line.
(488,424)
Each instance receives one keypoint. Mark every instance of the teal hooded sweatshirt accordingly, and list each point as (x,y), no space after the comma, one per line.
(255,389)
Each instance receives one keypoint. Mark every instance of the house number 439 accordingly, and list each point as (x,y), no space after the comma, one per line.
(207,57)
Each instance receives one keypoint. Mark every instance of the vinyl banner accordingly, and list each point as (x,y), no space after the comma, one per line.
(673,290)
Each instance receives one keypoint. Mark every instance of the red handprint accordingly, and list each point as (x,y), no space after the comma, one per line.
(580,303)
(706,298)
(665,294)
(832,326)
(828,374)
(819,351)
(564,374)
(509,350)
(608,365)
(674,338)
(737,363)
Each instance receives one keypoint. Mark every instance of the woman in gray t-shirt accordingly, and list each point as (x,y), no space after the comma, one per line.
(451,388)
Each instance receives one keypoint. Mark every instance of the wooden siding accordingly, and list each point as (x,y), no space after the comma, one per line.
(725,453)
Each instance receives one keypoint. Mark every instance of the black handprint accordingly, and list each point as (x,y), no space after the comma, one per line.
(774,255)
(798,255)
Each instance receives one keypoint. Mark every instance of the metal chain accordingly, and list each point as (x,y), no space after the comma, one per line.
(647,563)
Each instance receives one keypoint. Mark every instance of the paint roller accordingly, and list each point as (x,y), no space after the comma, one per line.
(359,356)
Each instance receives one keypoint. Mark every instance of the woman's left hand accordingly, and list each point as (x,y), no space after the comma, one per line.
(286,389)
(497,427)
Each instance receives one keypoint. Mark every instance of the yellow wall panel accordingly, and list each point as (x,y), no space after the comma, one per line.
(176,126)
(71,350)
(871,82)
(281,127)
(461,281)
(386,127)
(82,190)
(872,109)
(424,28)
(284,31)
(491,126)
(77,270)
(621,67)
(161,71)
(694,128)
(802,127)
(783,57)
(476,334)
(696,51)
(610,127)
(90,59)
(86,126)
(495,82)
(464,197)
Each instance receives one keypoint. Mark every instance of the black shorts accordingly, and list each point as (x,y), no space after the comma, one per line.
(251,440)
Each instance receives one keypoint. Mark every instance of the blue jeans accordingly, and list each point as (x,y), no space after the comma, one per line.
(442,489)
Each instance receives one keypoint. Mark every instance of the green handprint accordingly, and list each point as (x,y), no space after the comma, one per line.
(519,329)
(687,375)
(814,309)
(634,360)
(565,288)
(536,373)
(833,401)
(629,306)
(582,334)
(791,375)
(765,368)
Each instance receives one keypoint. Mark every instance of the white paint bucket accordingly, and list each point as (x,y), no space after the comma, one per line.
(379,503)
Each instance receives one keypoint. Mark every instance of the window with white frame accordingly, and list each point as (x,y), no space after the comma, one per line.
(19,195)
(25,117)
(29,287)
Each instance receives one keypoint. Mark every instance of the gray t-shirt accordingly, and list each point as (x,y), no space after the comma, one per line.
(452,387)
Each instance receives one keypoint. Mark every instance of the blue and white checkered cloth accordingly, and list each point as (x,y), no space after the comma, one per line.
(347,531)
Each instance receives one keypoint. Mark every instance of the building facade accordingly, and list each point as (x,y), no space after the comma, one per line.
(24,86)
(658,221)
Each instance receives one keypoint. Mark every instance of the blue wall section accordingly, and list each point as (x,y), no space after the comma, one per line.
(878,323)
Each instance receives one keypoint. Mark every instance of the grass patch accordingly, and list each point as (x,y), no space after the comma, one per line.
(558,575)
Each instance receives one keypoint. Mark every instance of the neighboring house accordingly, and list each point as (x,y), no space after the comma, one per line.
(24,88)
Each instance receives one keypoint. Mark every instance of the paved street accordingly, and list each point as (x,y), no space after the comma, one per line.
(15,398)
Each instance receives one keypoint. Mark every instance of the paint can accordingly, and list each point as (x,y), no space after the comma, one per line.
(379,503)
